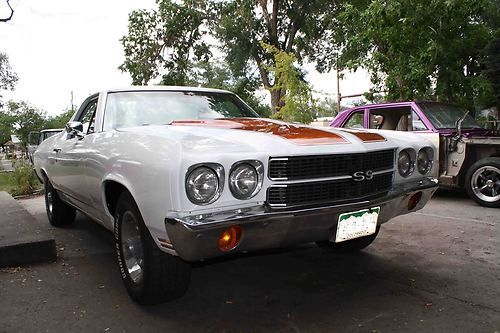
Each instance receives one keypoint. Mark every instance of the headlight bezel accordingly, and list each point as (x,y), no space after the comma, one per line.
(256,165)
(217,170)
(430,159)
(412,155)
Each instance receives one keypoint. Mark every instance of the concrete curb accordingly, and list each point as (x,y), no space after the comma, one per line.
(22,239)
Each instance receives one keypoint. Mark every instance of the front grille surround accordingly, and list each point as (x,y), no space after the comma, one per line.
(329,166)
(319,179)
(327,191)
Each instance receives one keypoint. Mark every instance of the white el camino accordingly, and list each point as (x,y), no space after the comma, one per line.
(183,174)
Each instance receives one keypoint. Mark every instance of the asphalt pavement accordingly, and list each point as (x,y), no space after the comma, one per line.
(437,270)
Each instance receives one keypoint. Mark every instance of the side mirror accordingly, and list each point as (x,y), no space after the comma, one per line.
(75,128)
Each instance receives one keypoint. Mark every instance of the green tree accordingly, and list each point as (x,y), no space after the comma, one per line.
(417,48)
(8,77)
(296,96)
(172,39)
(492,55)
(6,129)
(26,118)
(290,26)
(165,40)
(59,121)
(217,74)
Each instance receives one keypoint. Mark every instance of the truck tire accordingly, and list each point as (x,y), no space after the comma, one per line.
(150,275)
(350,246)
(482,182)
(58,212)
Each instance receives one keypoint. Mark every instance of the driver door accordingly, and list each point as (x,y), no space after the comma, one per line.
(70,152)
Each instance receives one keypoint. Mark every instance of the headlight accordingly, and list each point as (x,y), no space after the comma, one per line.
(245,179)
(406,163)
(204,184)
(424,160)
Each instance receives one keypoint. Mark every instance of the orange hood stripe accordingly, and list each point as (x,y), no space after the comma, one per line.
(365,136)
(297,134)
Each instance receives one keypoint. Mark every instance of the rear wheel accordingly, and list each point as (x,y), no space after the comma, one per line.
(482,182)
(350,246)
(58,212)
(150,275)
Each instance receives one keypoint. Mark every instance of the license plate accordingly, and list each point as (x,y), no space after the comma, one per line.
(357,224)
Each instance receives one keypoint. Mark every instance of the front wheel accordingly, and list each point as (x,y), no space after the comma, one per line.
(482,182)
(150,275)
(58,212)
(350,246)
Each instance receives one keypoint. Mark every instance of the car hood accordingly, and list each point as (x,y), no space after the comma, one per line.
(265,135)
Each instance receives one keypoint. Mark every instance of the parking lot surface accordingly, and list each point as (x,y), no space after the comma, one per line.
(437,270)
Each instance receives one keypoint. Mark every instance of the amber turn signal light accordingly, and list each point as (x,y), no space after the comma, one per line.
(230,238)
(414,200)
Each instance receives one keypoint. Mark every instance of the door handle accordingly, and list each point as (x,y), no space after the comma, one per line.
(56,150)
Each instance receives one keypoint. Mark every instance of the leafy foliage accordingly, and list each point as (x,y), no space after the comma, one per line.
(6,122)
(418,49)
(492,61)
(236,27)
(59,121)
(165,39)
(8,78)
(23,178)
(298,103)
(26,118)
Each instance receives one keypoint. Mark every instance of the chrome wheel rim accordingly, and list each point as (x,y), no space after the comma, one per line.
(131,244)
(485,183)
(50,201)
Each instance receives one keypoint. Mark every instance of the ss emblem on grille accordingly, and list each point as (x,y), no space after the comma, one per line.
(359,176)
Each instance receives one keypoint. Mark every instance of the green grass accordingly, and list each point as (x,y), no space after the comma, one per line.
(7,183)
(20,182)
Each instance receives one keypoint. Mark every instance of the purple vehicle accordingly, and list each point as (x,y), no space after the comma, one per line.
(469,156)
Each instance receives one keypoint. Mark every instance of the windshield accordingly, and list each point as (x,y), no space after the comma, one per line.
(445,115)
(138,108)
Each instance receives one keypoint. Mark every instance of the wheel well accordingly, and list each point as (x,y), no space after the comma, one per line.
(112,191)
(44,175)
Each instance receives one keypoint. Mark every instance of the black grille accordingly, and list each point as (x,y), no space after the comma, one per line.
(328,191)
(322,166)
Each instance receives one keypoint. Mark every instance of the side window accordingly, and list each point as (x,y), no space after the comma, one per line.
(87,118)
(356,120)
(417,123)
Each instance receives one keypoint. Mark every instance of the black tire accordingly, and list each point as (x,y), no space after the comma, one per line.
(350,246)
(58,212)
(485,175)
(163,277)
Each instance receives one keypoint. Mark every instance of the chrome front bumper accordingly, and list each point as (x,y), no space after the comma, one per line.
(196,237)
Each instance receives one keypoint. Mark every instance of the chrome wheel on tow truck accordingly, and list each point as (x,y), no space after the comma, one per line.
(483,182)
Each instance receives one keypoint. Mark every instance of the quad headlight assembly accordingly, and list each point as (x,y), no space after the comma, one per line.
(205,181)
(406,162)
(245,179)
(425,160)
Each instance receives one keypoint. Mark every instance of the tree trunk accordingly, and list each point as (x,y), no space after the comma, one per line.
(276,100)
